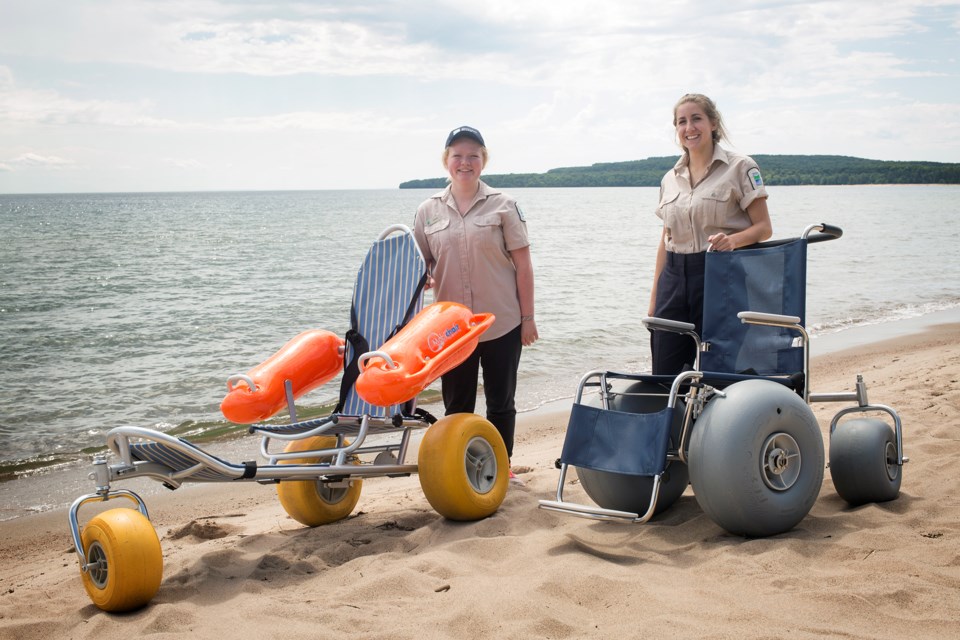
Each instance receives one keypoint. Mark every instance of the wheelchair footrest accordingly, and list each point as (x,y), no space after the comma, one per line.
(587,511)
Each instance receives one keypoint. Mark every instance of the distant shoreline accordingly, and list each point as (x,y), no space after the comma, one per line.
(429,184)
(778,170)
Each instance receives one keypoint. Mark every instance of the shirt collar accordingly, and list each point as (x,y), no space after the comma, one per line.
(718,154)
(484,192)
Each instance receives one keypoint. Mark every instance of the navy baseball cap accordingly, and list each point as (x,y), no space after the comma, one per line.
(465,132)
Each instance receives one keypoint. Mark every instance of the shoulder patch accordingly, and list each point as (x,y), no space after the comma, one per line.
(520,213)
(755,179)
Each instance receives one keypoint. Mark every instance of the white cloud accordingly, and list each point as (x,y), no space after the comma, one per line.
(596,46)
(282,47)
(48,107)
(225,38)
(367,121)
(31,159)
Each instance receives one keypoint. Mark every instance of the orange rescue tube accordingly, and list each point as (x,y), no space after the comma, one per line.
(307,361)
(438,338)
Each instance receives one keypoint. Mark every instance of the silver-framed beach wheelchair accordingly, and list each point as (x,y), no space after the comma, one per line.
(738,426)
(395,348)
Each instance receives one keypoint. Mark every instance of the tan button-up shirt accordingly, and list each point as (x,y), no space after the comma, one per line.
(470,254)
(717,204)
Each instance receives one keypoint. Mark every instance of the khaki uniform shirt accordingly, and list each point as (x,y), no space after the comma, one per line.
(470,254)
(718,204)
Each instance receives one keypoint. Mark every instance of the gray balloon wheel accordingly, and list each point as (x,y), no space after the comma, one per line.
(756,459)
(863,461)
(624,492)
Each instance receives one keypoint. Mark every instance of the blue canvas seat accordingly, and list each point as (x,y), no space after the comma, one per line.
(596,435)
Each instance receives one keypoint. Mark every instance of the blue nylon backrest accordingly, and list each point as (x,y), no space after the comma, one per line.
(767,280)
(386,283)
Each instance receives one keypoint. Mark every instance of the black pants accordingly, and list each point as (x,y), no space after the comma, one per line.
(500,359)
(679,297)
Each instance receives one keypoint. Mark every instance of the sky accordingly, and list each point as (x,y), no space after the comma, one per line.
(172,95)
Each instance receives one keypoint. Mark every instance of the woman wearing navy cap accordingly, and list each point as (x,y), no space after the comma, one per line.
(711,197)
(474,239)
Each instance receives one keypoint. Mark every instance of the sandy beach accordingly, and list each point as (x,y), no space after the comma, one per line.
(235,563)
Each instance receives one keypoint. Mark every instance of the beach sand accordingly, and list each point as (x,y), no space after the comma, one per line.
(235,564)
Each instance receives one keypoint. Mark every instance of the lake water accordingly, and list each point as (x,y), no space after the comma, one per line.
(134,308)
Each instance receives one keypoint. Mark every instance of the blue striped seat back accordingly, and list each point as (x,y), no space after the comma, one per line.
(388,286)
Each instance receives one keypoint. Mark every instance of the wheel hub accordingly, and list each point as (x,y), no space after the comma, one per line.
(331,494)
(893,469)
(480,462)
(97,565)
(780,461)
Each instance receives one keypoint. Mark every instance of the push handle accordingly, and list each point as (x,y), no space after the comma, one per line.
(826,232)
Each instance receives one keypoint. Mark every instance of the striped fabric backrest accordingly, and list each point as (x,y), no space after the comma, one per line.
(386,295)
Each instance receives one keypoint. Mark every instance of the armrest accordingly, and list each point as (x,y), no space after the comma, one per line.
(772,319)
(662,324)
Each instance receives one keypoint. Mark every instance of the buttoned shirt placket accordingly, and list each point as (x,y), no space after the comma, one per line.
(684,173)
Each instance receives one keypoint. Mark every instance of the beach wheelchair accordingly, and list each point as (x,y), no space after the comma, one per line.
(393,350)
(738,426)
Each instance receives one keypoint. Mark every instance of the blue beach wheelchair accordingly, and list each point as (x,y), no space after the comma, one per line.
(738,426)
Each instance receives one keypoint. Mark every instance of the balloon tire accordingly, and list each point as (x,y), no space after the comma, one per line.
(310,502)
(450,454)
(863,461)
(126,544)
(730,446)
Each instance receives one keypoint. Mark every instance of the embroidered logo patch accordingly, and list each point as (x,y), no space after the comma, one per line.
(755,178)
(520,213)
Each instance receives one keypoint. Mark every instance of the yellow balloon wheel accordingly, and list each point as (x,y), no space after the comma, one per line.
(463,466)
(124,560)
(311,502)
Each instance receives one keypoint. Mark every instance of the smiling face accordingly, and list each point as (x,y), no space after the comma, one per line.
(694,127)
(464,160)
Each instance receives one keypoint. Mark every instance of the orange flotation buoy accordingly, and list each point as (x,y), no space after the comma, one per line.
(307,361)
(436,340)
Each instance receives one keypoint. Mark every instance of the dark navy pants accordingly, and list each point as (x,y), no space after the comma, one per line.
(679,297)
(500,359)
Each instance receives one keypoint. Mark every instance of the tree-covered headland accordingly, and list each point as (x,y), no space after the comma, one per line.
(776,170)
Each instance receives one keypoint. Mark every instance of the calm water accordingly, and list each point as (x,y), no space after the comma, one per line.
(134,308)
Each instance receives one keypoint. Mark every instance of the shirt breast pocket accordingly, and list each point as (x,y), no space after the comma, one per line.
(667,209)
(675,225)
(717,212)
(436,232)
(488,232)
